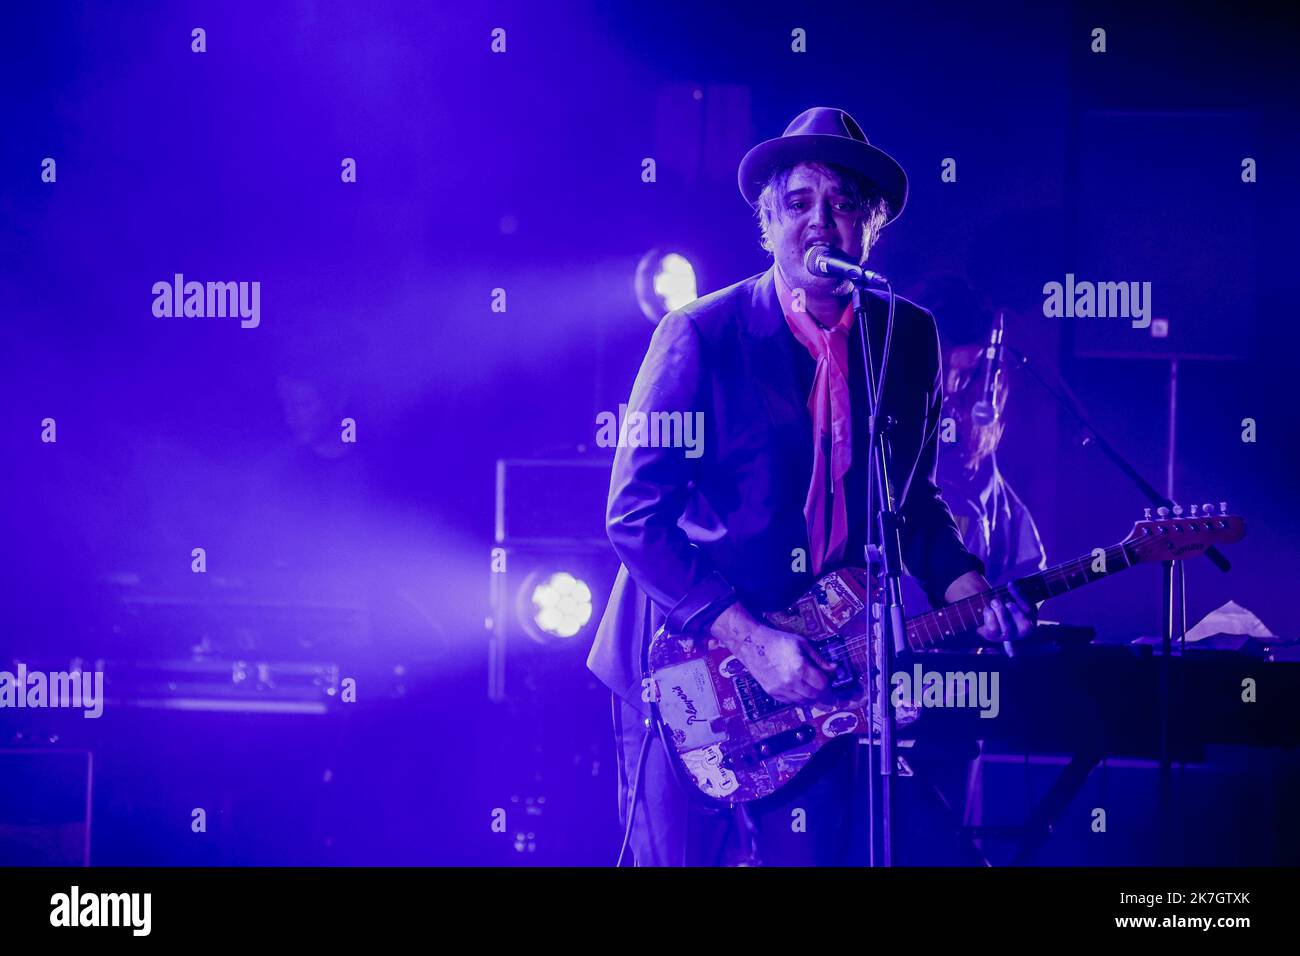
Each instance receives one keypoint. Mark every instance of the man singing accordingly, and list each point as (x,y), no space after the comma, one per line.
(778,496)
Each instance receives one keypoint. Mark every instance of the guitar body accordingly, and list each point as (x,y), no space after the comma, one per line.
(733,741)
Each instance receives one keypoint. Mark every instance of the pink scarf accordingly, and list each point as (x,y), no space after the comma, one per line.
(829,405)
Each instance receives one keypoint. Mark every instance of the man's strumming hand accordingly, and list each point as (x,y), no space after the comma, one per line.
(786,665)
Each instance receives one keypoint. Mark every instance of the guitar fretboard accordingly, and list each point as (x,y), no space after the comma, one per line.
(933,628)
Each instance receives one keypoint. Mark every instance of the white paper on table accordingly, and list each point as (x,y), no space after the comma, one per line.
(1232,618)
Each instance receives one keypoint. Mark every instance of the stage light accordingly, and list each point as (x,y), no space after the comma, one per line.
(675,281)
(560,604)
(552,573)
(664,282)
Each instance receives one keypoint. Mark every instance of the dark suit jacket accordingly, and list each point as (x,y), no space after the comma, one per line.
(695,534)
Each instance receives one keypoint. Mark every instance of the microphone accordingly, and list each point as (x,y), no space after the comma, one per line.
(985,411)
(824,260)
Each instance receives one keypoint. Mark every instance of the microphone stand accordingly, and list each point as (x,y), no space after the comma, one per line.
(888,556)
(1094,437)
(1165,508)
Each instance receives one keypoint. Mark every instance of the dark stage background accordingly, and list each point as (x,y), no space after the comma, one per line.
(522,171)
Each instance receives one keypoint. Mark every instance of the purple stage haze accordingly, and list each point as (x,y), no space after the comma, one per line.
(378,302)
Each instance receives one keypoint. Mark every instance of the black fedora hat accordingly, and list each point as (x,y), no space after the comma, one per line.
(824,134)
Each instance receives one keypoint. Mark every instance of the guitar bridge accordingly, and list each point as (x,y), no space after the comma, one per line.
(750,757)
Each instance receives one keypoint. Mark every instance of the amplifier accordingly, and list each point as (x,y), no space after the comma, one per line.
(264,687)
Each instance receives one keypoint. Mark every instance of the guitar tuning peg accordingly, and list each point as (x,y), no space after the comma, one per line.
(1178,510)
(1194,511)
(1146,514)
(1207,509)
(1162,511)
(1223,507)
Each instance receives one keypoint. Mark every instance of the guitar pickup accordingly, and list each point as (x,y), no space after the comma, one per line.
(833,650)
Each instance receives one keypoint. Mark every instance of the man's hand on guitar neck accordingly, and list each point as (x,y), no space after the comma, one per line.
(786,665)
(1002,621)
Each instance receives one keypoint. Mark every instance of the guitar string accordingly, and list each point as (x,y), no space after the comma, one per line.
(1061,574)
(917,628)
(977,602)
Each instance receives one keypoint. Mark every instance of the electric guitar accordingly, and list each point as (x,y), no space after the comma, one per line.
(736,743)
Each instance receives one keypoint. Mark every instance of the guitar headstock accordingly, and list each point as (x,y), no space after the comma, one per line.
(1174,534)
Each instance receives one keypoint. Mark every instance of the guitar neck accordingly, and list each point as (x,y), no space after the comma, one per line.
(937,627)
